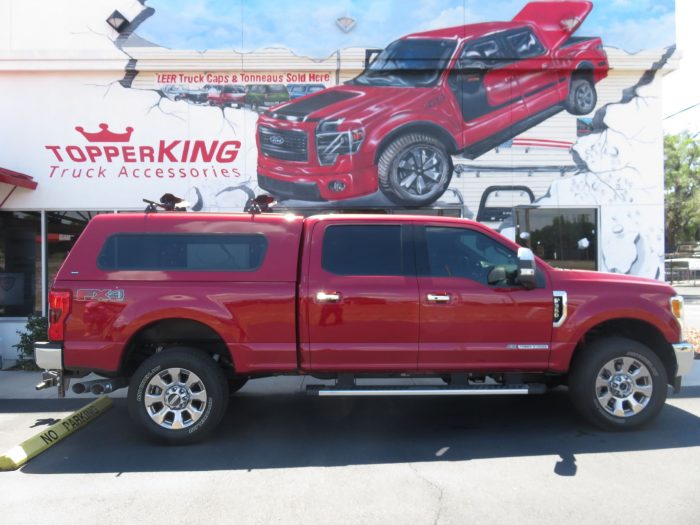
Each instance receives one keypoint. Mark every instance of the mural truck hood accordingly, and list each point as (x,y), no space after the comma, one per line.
(358,103)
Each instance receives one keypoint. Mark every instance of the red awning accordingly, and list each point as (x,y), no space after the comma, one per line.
(17,179)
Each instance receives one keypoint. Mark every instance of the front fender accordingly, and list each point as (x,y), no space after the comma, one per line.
(591,312)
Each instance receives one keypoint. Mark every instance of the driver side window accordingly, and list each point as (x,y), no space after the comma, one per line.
(468,254)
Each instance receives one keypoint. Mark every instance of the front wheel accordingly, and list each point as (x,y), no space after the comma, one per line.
(414,170)
(178,396)
(618,383)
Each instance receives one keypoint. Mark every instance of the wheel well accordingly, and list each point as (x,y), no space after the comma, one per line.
(640,331)
(164,333)
(583,70)
(418,127)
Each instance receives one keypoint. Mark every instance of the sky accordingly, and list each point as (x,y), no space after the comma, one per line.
(308,28)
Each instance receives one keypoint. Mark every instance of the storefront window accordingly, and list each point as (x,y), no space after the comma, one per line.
(565,238)
(20,263)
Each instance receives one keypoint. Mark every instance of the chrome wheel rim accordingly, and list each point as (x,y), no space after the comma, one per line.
(420,171)
(624,387)
(175,398)
(584,97)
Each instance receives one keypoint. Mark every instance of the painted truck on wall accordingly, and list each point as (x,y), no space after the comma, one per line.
(428,96)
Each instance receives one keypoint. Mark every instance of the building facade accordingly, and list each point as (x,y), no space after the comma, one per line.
(552,138)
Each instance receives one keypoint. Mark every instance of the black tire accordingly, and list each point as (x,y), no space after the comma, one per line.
(598,402)
(398,165)
(582,97)
(199,417)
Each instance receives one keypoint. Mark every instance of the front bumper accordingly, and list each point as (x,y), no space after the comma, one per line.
(684,357)
(48,356)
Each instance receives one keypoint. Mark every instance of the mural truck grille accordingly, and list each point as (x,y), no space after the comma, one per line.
(284,144)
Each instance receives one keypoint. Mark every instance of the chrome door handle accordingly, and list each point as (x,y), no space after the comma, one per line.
(438,298)
(328,297)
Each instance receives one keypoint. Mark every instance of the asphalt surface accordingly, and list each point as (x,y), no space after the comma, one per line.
(283,457)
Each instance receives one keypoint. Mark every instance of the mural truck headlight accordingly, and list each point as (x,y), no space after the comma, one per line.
(330,142)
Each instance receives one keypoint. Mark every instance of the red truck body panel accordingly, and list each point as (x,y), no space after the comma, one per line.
(271,321)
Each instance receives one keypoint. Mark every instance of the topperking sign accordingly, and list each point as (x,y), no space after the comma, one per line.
(108,154)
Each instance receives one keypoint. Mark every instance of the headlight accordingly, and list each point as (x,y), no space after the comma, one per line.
(677,311)
(330,142)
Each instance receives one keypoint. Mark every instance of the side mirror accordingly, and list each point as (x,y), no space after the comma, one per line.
(526,268)
(497,275)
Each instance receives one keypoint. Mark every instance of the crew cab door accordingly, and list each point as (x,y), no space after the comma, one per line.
(467,323)
(486,89)
(540,83)
(360,298)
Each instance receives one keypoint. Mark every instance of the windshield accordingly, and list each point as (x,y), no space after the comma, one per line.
(408,63)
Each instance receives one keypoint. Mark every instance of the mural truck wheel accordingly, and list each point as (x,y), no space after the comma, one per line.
(618,383)
(582,97)
(414,170)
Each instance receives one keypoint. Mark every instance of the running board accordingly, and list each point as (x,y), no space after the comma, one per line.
(478,390)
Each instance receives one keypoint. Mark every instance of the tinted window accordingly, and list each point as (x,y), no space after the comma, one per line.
(460,252)
(156,251)
(363,250)
(525,44)
(409,63)
(481,53)
(277,89)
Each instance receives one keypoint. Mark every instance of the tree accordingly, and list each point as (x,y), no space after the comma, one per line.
(682,193)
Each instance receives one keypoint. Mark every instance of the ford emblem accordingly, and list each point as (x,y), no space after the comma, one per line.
(277,140)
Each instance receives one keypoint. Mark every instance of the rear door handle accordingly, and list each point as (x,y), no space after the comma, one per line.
(328,297)
(438,298)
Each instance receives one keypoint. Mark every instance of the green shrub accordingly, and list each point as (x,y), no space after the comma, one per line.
(35,330)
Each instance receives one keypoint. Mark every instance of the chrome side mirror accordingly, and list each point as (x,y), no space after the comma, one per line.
(526,268)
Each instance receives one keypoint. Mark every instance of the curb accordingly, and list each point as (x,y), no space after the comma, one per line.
(19,455)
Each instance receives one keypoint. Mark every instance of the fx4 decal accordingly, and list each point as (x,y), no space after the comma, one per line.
(87,294)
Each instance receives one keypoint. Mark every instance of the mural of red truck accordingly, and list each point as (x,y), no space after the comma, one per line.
(426,97)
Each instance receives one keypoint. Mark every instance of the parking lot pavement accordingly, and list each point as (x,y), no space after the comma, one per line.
(281,456)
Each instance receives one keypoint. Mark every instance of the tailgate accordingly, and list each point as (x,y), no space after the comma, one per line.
(556,20)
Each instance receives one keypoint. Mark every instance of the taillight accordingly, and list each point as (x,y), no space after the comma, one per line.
(59,308)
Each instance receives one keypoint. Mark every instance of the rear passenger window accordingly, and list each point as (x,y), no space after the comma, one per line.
(364,250)
(163,251)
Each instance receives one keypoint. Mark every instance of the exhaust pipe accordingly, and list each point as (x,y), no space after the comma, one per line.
(100,386)
(107,386)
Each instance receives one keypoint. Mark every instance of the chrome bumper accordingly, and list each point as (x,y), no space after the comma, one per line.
(48,356)
(684,357)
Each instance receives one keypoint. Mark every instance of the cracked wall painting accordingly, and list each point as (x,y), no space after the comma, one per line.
(352,106)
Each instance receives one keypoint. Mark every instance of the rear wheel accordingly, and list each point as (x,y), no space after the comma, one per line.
(582,96)
(178,396)
(414,170)
(618,383)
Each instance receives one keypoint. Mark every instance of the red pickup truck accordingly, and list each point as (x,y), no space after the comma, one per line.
(185,308)
(426,97)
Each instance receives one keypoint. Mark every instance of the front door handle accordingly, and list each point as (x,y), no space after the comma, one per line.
(438,298)
(328,297)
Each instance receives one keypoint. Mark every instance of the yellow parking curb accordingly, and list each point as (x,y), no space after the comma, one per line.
(19,455)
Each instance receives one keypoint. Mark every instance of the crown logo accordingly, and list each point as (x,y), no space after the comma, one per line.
(104,135)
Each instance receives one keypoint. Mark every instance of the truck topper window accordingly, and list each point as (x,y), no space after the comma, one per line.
(365,250)
(183,252)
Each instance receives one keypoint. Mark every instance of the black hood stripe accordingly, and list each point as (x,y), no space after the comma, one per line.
(305,107)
